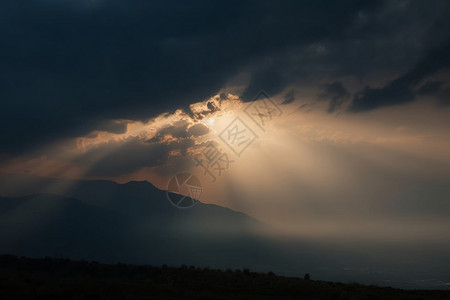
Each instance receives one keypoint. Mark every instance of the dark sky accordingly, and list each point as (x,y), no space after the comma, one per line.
(69,67)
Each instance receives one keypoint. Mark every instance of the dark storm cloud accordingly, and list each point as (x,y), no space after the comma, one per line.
(443,97)
(402,89)
(336,93)
(430,87)
(67,65)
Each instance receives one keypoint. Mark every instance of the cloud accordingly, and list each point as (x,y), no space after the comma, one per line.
(113,126)
(64,69)
(177,130)
(198,130)
(444,97)
(430,87)
(289,97)
(67,69)
(336,93)
(402,89)
(128,156)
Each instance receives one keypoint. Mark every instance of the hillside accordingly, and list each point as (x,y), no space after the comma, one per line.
(141,228)
(50,278)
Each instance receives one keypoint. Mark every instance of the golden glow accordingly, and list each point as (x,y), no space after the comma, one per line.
(209,121)
(305,164)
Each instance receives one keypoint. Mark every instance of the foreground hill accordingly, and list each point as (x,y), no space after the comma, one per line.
(49,278)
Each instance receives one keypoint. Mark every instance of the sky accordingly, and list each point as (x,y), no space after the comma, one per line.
(326,119)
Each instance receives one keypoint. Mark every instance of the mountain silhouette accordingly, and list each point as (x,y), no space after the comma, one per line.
(131,223)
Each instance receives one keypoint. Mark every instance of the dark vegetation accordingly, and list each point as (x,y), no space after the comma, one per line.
(53,278)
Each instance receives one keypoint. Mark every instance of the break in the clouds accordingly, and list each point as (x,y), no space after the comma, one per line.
(71,67)
(118,149)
